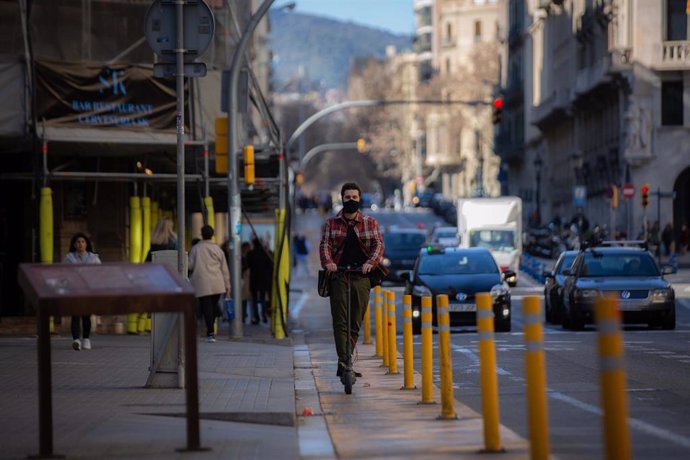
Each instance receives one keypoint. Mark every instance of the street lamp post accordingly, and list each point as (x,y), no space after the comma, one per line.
(537,167)
(234,198)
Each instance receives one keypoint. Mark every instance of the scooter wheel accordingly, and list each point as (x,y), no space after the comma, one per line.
(348,381)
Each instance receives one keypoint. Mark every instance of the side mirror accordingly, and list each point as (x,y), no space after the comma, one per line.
(405,276)
(668,270)
(547,274)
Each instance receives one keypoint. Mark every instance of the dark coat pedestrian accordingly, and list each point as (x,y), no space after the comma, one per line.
(260,265)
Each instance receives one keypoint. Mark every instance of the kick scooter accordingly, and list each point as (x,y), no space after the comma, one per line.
(348,378)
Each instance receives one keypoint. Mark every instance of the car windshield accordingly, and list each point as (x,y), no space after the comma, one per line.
(403,240)
(619,265)
(494,240)
(566,263)
(446,234)
(457,264)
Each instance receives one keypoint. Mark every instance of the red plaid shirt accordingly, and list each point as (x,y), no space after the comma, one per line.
(335,232)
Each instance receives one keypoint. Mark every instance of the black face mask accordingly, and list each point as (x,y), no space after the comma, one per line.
(350,206)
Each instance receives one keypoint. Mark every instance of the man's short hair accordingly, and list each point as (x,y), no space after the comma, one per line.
(207,232)
(350,186)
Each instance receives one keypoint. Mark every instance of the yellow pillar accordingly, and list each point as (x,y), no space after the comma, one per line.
(211,218)
(427,352)
(384,328)
(445,360)
(281,265)
(487,368)
(146,227)
(537,408)
(378,320)
(408,349)
(45,231)
(135,233)
(614,398)
(392,336)
(367,325)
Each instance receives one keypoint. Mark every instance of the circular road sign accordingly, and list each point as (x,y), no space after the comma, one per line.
(161,29)
(628,191)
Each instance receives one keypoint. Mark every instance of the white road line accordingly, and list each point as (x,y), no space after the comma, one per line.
(633,423)
(297,306)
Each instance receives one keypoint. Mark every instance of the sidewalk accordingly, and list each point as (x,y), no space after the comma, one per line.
(252,393)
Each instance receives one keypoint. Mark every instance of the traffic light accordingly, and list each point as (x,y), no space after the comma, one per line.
(614,197)
(497,113)
(248,154)
(222,145)
(645,195)
(361,145)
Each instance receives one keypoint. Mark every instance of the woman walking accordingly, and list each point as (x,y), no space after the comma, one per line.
(210,277)
(81,252)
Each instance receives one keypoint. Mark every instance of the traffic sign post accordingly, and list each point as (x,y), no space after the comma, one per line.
(628,191)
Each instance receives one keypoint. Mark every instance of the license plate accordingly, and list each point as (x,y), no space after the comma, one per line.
(462,307)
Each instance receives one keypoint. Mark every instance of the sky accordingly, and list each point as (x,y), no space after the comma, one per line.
(392,15)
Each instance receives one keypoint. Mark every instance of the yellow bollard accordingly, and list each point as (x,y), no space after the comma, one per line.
(384,328)
(427,353)
(378,320)
(408,350)
(612,377)
(487,365)
(134,320)
(537,408)
(392,336)
(445,360)
(367,325)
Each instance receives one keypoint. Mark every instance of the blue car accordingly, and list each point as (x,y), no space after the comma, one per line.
(460,273)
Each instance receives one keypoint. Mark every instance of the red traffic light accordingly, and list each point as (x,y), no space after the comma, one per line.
(498,103)
(645,189)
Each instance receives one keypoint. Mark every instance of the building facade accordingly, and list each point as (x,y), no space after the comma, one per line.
(595,93)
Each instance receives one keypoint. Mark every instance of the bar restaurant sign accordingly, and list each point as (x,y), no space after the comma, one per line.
(118,96)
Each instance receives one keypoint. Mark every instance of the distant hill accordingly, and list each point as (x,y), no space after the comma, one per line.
(325,47)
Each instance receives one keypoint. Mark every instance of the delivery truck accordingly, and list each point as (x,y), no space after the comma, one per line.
(495,224)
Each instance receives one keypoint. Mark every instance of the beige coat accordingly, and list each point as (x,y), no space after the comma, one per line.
(209,269)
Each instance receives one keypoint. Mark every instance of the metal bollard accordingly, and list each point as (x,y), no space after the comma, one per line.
(487,364)
(612,377)
(427,353)
(537,408)
(408,350)
(384,328)
(378,322)
(392,336)
(445,361)
(367,325)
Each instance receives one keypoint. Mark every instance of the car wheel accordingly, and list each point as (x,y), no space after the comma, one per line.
(576,320)
(547,308)
(503,325)
(669,321)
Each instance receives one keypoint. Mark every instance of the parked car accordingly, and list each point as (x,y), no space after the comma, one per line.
(444,236)
(461,274)
(401,249)
(629,273)
(553,287)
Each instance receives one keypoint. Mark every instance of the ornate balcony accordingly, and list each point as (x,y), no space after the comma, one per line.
(675,55)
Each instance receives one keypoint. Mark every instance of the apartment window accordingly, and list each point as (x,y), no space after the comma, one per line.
(676,20)
(449,32)
(477,31)
(672,103)
(447,66)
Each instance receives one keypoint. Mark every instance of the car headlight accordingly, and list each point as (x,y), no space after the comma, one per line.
(662,295)
(499,290)
(386,262)
(421,291)
(586,293)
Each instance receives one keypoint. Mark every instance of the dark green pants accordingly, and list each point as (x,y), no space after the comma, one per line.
(359,297)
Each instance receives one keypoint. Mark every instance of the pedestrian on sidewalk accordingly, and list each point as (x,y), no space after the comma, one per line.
(163,237)
(683,239)
(260,264)
(81,252)
(301,249)
(350,239)
(210,277)
(667,238)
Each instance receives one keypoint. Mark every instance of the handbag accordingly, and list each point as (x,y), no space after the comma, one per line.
(229,304)
(324,283)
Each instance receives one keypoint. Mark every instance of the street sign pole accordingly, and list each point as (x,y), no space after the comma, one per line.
(179,77)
